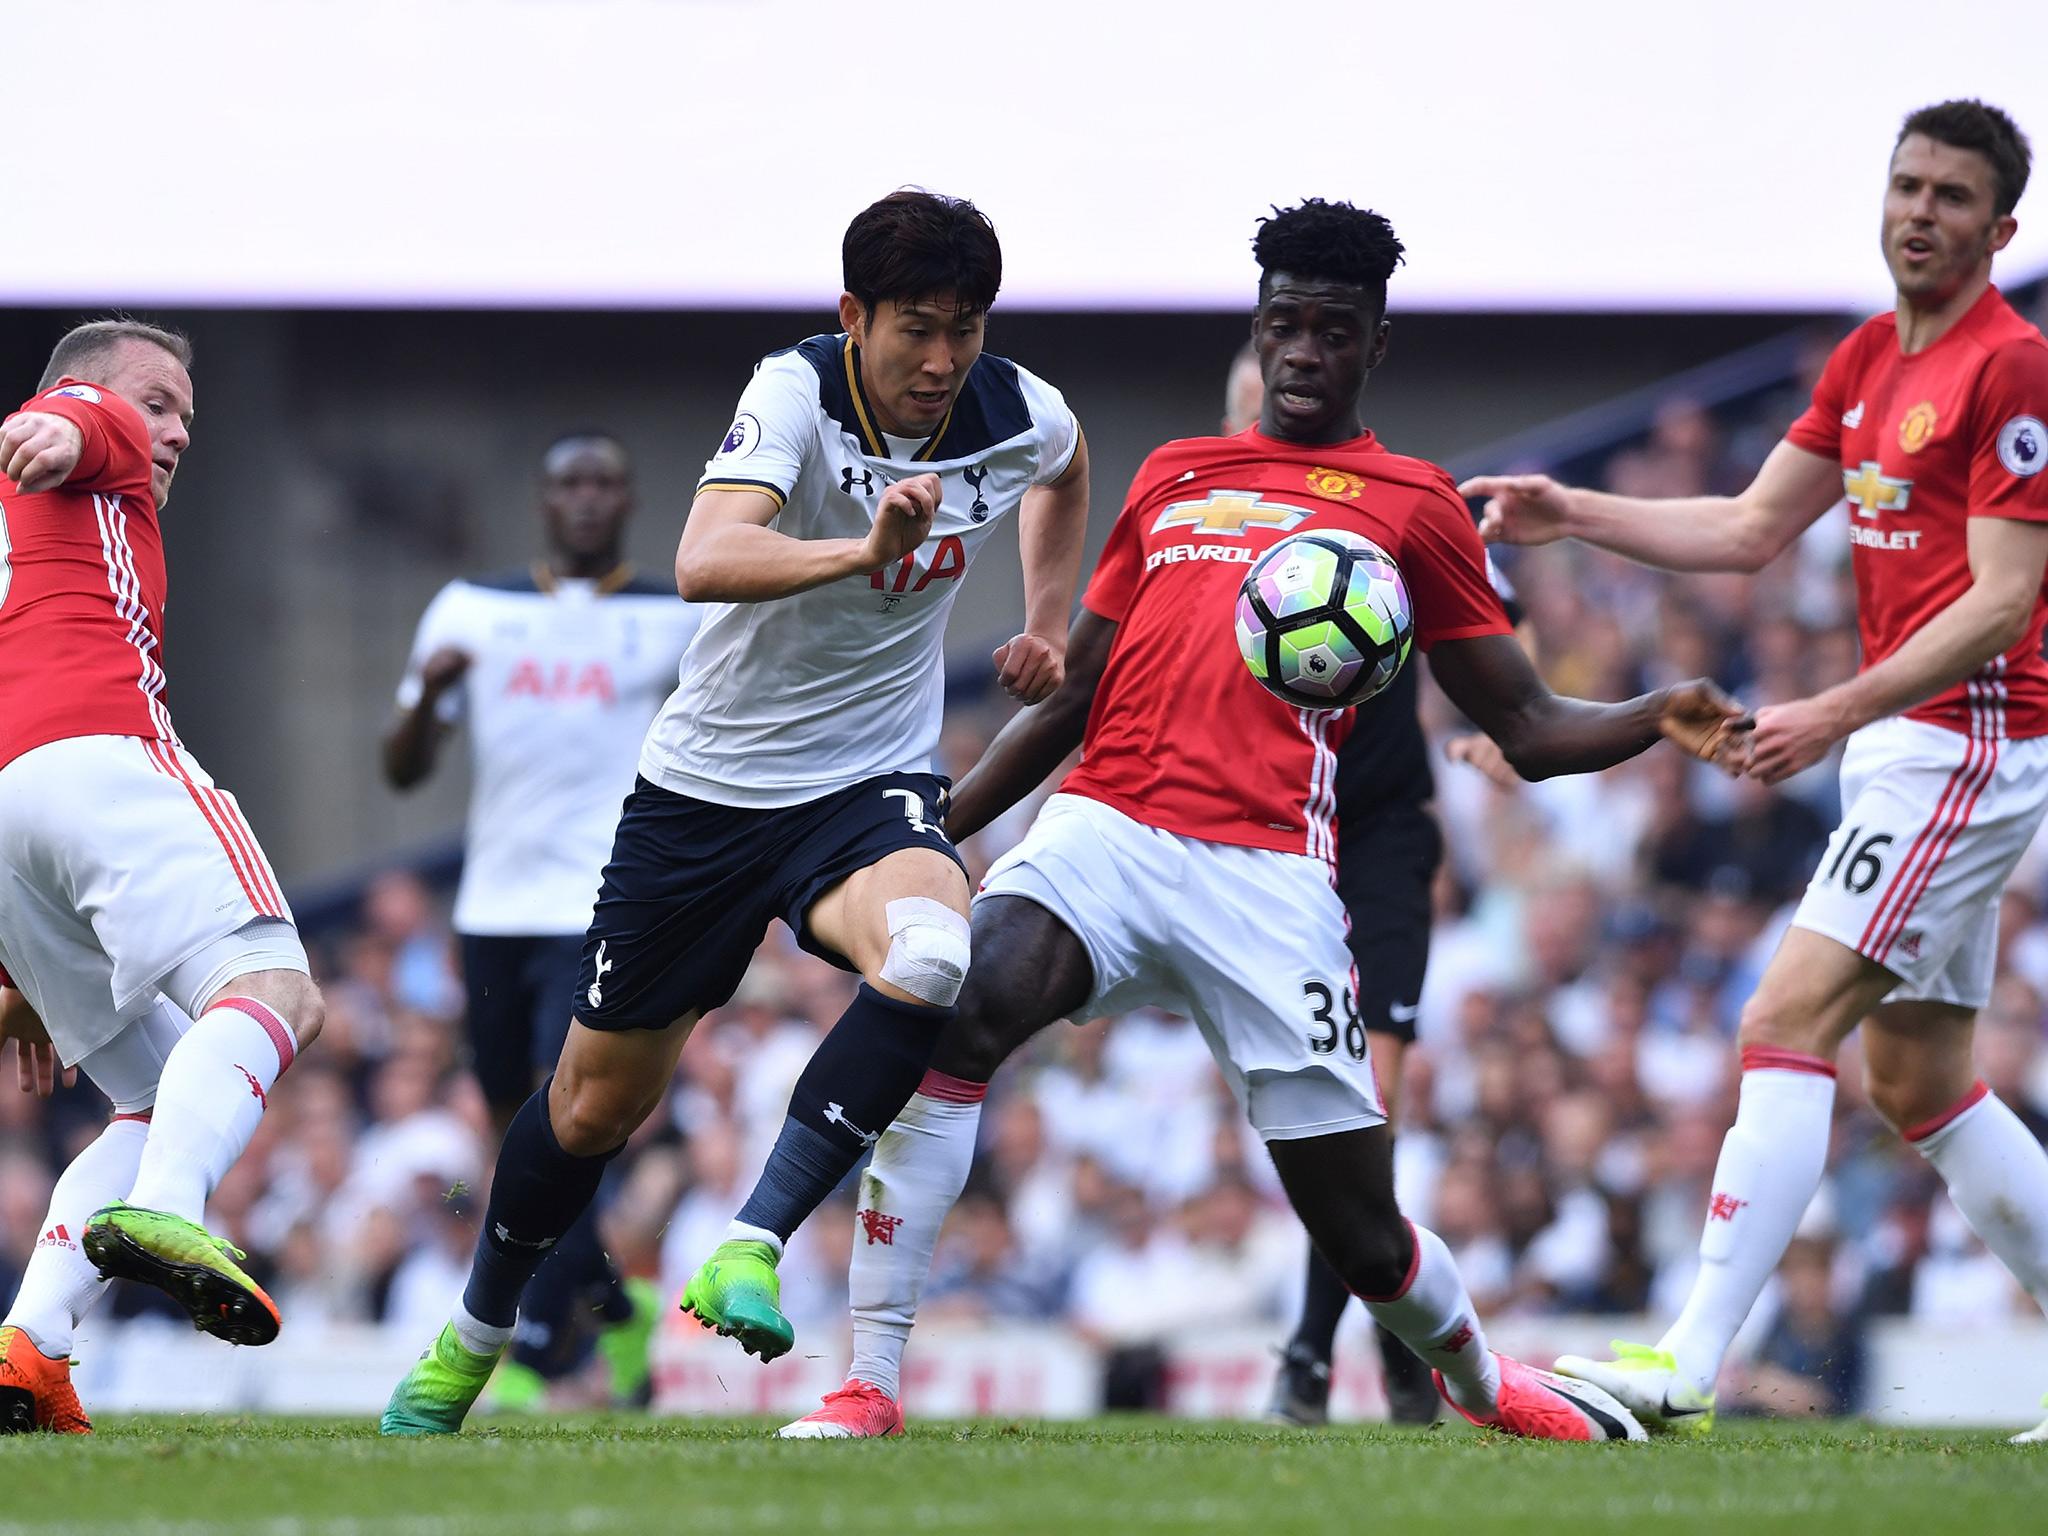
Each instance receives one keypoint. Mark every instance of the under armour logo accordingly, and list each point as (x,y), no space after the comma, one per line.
(255,1088)
(498,1229)
(1723,1207)
(596,992)
(974,477)
(836,1115)
(879,1228)
(847,477)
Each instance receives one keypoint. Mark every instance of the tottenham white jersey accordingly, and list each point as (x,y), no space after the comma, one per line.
(785,701)
(563,679)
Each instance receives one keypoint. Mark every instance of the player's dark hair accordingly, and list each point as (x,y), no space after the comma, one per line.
(1332,241)
(563,440)
(1972,124)
(915,244)
(85,348)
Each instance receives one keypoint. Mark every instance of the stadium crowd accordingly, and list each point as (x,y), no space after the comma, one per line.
(1561,1117)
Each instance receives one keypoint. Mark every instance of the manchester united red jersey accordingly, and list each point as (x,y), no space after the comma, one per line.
(82,587)
(1181,736)
(1926,443)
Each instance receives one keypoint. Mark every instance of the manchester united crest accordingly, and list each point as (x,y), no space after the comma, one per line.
(1335,484)
(1917,427)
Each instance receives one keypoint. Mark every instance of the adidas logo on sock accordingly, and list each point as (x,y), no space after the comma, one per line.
(57,1237)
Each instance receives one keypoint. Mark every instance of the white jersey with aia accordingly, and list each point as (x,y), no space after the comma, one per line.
(564,677)
(783,702)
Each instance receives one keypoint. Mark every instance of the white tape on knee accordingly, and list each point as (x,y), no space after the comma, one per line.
(927,949)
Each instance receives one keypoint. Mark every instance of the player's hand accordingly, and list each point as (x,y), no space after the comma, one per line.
(1790,738)
(443,670)
(903,520)
(35,1057)
(1520,509)
(1031,667)
(1484,753)
(1702,720)
(38,450)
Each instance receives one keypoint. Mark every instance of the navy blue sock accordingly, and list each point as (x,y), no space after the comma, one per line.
(1323,1301)
(861,1076)
(574,1279)
(537,1193)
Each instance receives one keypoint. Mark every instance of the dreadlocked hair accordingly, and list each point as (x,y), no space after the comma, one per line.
(1333,241)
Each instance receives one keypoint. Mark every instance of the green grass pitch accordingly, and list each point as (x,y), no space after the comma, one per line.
(603,1476)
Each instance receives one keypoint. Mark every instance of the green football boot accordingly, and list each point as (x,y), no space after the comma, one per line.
(188,1264)
(439,1391)
(738,1293)
(626,1347)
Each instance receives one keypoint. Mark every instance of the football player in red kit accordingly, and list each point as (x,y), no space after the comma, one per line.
(139,918)
(1929,420)
(1187,862)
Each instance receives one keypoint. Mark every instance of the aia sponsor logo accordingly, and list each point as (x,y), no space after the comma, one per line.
(561,682)
(879,1228)
(1723,1207)
(947,562)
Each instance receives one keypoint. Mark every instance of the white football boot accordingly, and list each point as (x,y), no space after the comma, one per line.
(1645,1381)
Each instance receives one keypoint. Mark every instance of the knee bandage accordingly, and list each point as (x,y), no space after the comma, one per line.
(927,949)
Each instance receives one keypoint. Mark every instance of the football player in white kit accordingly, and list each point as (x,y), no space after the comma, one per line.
(791,775)
(138,916)
(557,669)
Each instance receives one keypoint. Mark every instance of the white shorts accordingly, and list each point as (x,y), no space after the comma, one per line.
(126,875)
(1932,824)
(1248,942)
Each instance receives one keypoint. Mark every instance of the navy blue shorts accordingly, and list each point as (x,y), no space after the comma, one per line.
(1386,863)
(692,887)
(521,992)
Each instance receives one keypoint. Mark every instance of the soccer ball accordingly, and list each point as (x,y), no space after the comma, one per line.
(1323,619)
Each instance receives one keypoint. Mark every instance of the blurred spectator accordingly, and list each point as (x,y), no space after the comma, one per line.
(1811,1360)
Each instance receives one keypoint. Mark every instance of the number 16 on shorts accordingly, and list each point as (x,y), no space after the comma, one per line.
(1856,861)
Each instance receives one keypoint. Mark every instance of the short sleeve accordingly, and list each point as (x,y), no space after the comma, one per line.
(2010,451)
(1445,566)
(1819,427)
(1055,431)
(114,455)
(442,624)
(771,433)
(1115,581)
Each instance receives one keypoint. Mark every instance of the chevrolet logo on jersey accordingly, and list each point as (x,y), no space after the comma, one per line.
(1229,512)
(1872,493)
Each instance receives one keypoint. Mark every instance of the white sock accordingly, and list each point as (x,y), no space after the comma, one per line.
(215,1086)
(1997,1174)
(737,1231)
(918,1170)
(59,1283)
(1771,1163)
(1433,1315)
(478,1338)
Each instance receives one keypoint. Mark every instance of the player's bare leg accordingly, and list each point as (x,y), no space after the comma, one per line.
(902,922)
(1922,1078)
(1813,993)
(1029,971)
(1301,1392)
(1342,1187)
(605,1084)
(213,1091)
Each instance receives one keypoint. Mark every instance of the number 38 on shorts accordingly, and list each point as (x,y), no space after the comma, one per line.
(1328,1033)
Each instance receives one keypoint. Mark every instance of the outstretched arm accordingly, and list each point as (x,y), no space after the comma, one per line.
(1037,740)
(2007,560)
(1052,525)
(413,739)
(1687,533)
(1544,734)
